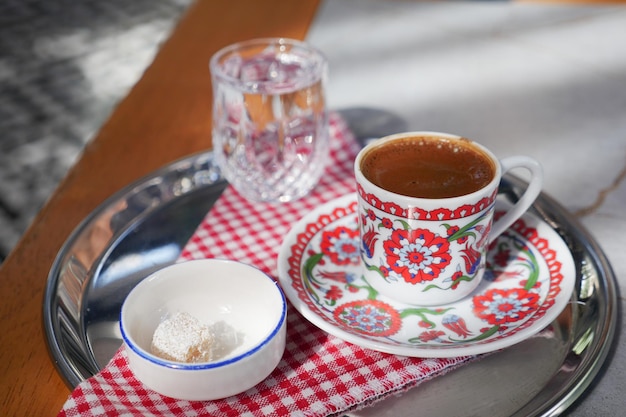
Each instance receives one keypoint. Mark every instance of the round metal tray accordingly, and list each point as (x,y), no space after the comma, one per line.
(145,226)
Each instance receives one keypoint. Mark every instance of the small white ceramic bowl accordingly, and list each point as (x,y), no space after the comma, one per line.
(211,290)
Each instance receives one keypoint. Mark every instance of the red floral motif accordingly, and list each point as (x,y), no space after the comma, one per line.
(471,257)
(425,324)
(369,240)
(431,335)
(440,214)
(465,210)
(456,324)
(418,255)
(499,307)
(369,317)
(393,209)
(456,279)
(416,213)
(452,230)
(337,276)
(419,214)
(501,258)
(387,223)
(334,293)
(341,245)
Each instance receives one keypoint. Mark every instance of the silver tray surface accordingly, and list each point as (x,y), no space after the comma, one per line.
(145,226)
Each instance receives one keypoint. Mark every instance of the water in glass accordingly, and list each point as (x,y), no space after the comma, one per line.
(270,123)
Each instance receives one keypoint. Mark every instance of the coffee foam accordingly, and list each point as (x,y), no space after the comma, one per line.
(428,167)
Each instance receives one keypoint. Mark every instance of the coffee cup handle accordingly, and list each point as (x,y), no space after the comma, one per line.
(526,200)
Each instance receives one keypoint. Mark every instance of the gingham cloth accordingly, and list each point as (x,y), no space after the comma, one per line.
(319,374)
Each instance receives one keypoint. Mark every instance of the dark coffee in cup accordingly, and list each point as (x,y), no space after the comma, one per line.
(428,167)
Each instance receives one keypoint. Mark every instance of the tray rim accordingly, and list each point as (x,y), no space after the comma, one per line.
(67,370)
(562,398)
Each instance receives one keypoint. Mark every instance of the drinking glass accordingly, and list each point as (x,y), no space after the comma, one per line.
(270,122)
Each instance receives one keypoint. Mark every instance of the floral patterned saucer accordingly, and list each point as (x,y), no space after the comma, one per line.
(528,281)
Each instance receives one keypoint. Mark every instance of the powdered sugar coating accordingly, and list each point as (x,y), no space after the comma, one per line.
(182,338)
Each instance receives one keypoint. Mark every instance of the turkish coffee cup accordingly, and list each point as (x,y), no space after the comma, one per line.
(426,203)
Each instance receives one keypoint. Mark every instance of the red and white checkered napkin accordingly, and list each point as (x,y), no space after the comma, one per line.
(319,374)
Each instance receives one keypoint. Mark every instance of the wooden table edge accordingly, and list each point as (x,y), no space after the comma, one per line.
(165,116)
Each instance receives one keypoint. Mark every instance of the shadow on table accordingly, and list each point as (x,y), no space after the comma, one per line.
(369,123)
